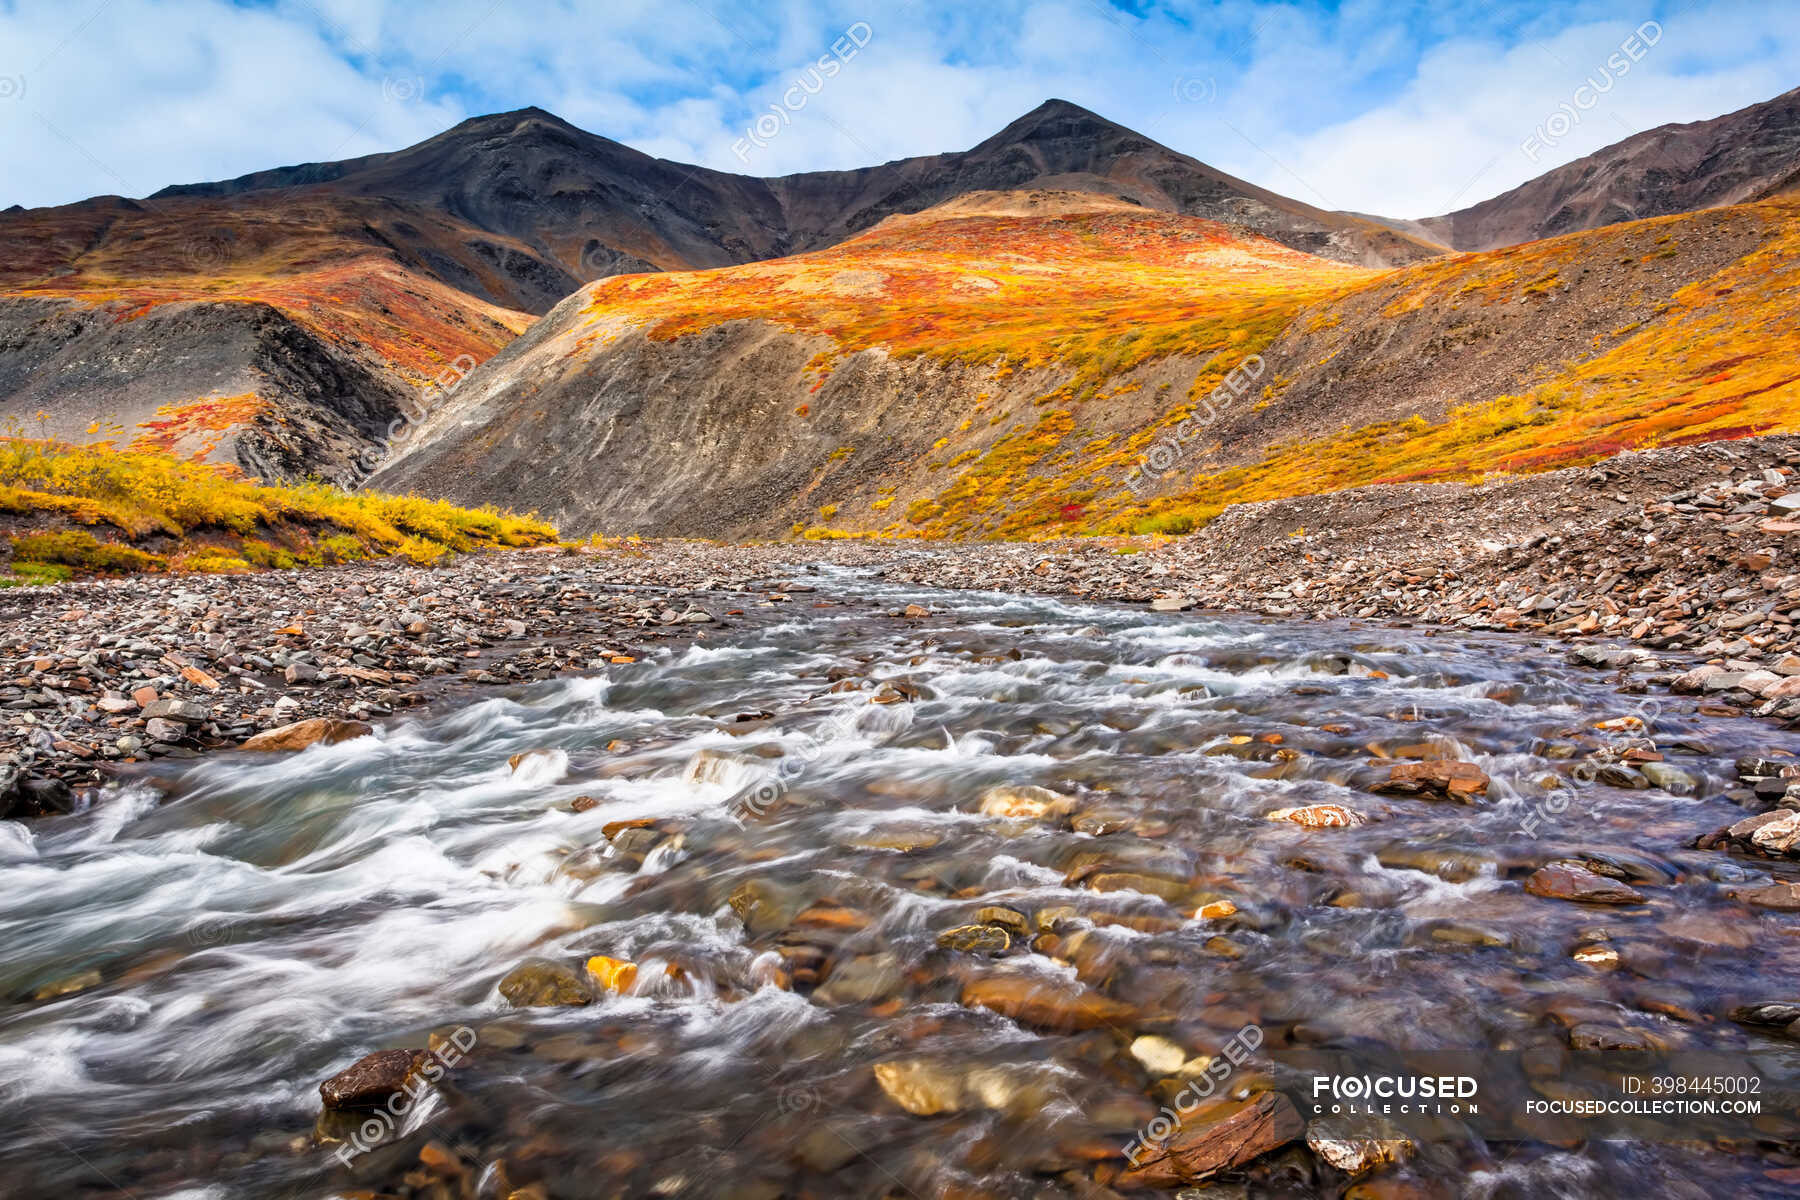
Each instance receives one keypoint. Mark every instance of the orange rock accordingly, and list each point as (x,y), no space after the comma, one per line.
(1450,779)
(302,734)
(1046,1002)
(1320,816)
(1215,910)
(196,676)
(612,974)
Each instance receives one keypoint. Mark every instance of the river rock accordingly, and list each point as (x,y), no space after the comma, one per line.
(1782,1014)
(1778,897)
(1009,919)
(927,1088)
(1596,1036)
(541,983)
(1159,1055)
(976,939)
(1029,801)
(1775,834)
(1566,881)
(371,1080)
(301,734)
(187,712)
(614,975)
(867,979)
(1218,1138)
(1046,1002)
(1356,1145)
(1320,816)
(765,906)
(1444,779)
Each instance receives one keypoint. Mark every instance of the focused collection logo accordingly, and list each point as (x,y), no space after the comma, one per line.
(1394,1095)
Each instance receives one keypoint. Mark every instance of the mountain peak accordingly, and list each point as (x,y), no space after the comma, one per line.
(1063,115)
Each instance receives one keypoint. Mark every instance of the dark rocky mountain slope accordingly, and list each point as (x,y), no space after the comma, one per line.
(1747,155)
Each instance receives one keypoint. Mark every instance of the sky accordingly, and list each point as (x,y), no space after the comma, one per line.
(1379,106)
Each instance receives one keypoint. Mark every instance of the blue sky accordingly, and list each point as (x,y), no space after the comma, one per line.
(1400,109)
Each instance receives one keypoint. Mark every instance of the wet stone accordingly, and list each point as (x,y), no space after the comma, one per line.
(371,1080)
(976,939)
(1567,881)
(542,983)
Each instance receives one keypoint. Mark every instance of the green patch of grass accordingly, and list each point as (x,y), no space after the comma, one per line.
(82,551)
(33,574)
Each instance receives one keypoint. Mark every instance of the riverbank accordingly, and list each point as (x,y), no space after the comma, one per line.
(1687,552)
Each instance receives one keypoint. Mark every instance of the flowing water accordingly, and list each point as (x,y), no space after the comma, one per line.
(227,939)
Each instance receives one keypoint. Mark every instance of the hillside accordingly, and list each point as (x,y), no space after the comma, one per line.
(285,340)
(1747,155)
(996,367)
(287,321)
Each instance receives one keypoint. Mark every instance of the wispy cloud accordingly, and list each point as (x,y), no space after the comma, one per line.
(1403,109)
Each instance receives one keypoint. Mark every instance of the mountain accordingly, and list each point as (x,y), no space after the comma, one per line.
(1747,155)
(1031,362)
(947,328)
(594,207)
(285,321)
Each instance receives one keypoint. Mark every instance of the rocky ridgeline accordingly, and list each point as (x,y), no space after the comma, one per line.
(94,676)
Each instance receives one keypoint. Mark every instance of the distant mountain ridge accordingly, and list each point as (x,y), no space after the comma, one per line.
(595,207)
(1747,155)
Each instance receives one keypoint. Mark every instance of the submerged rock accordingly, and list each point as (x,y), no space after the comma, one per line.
(1567,881)
(1445,779)
(1355,1145)
(541,983)
(1009,800)
(976,939)
(1046,1002)
(1218,1138)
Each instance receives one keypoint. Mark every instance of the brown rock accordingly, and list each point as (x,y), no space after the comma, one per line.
(976,939)
(1566,881)
(1781,897)
(1219,1139)
(541,983)
(1444,780)
(302,734)
(1046,1002)
(371,1080)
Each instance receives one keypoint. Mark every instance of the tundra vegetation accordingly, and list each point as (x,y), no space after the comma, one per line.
(78,510)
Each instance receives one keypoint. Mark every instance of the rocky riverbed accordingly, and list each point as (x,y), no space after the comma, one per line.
(886,891)
(1688,552)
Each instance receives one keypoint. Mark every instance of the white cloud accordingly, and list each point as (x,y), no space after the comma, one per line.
(1373,106)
